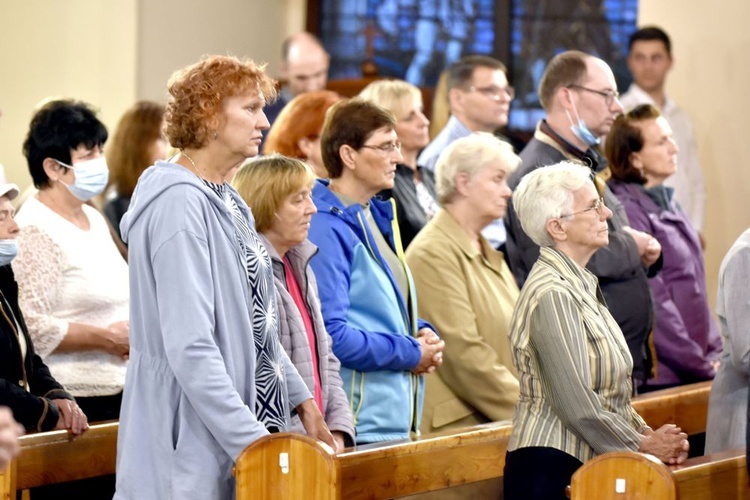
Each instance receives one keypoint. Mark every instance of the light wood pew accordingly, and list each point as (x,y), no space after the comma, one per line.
(686,406)
(387,470)
(49,458)
(630,475)
(431,463)
(53,457)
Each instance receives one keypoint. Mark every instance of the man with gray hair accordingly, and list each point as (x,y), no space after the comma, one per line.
(479,100)
(579,94)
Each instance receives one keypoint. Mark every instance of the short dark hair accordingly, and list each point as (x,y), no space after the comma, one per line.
(350,122)
(460,73)
(56,129)
(565,69)
(625,138)
(650,33)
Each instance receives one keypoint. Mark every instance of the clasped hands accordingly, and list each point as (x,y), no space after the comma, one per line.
(667,443)
(432,352)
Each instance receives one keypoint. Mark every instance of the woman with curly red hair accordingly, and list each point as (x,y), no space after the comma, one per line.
(208,375)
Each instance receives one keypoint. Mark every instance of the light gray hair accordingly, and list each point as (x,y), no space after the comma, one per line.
(469,155)
(547,193)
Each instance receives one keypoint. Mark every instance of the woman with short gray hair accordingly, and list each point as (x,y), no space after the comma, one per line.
(572,359)
(466,290)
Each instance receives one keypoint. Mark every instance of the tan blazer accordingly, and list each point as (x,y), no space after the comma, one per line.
(469,299)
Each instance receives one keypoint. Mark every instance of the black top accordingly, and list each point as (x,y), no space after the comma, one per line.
(115,209)
(409,213)
(31,408)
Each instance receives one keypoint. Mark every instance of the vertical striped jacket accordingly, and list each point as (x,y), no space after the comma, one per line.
(573,363)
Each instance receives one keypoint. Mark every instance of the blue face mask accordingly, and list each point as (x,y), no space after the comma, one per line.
(8,251)
(581,130)
(91,178)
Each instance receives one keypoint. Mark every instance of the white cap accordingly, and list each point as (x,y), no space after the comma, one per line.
(9,190)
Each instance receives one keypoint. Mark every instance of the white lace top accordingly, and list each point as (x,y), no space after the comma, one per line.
(68,275)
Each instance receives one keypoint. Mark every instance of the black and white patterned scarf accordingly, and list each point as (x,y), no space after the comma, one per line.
(270,383)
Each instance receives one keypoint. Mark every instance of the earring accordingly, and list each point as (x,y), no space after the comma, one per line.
(216,135)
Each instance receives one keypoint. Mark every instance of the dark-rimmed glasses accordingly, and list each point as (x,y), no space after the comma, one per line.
(609,95)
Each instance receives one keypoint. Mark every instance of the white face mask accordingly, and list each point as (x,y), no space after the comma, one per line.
(8,251)
(91,177)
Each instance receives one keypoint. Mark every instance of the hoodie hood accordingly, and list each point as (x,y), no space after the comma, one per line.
(159,178)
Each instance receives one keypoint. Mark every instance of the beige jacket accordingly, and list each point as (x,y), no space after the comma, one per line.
(469,299)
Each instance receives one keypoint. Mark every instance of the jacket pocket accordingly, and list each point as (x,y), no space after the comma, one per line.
(450,411)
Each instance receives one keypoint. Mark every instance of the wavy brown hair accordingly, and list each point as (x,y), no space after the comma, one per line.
(129,151)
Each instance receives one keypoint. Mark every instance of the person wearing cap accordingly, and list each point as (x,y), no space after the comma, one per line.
(36,399)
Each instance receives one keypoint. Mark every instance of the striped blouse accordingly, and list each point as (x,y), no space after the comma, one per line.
(574,365)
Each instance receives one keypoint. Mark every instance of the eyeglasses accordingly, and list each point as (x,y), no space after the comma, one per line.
(387,148)
(609,95)
(598,206)
(494,92)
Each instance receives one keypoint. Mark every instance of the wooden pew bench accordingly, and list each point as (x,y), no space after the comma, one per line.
(295,466)
(53,457)
(630,475)
(365,472)
(292,466)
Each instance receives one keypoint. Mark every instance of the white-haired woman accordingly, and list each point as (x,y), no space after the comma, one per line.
(465,288)
(573,362)
(413,186)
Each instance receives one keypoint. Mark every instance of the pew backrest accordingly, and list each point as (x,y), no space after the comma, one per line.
(295,466)
(630,475)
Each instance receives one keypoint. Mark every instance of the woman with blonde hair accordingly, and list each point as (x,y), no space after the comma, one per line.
(414,186)
(136,144)
(278,191)
(296,131)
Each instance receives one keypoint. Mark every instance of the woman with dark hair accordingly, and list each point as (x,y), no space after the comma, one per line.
(73,283)
(136,144)
(366,292)
(278,191)
(642,154)
(208,375)
(296,131)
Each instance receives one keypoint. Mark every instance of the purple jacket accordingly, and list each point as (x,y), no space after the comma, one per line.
(686,335)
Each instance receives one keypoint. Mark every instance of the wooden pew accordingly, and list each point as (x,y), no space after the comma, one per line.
(53,457)
(686,406)
(291,466)
(49,458)
(626,475)
(296,466)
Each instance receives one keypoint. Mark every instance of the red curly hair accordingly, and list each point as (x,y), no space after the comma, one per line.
(198,90)
(302,117)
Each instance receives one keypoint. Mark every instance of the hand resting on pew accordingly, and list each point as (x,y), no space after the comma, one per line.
(315,425)
(668,443)
(10,431)
(71,418)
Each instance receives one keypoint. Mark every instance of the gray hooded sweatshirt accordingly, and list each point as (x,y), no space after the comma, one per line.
(188,408)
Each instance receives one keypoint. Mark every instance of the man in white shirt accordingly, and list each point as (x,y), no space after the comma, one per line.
(649,60)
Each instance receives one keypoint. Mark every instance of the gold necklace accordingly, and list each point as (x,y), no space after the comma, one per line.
(195,167)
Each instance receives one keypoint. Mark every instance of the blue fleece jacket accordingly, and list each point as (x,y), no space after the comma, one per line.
(372,326)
